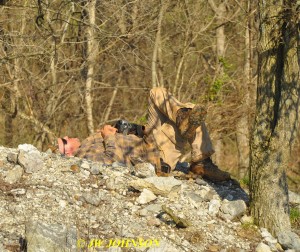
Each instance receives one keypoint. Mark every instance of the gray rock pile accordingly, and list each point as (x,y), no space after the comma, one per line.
(53,203)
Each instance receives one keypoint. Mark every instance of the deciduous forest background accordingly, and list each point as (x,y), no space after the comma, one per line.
(69,66)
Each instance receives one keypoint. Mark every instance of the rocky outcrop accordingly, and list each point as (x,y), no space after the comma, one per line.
(289,240)
(232,209)
(30,158)
(53,203)
(50,237)
(165,186)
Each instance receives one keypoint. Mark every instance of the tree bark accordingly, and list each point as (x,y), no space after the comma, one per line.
(220,11)
(91,51)
(242,129)
(242,140)
(277,113)
(11,93)
(157,79)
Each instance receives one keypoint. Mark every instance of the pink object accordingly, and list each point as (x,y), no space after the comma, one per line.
(68,146)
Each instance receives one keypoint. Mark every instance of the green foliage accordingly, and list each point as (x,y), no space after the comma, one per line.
(295,216)
(216,88)
(245,181)
(248,225)
(218,85)
(142,120)
(226,65)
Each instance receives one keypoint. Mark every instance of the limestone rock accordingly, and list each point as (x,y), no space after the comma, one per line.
(95,169)
(261,247)
(12,157)
(214,206)
(265,233)
(27,147)
(268,237)
(30,158)
(200,181)
(143,212)
(247,219)
(14,175)
(110,184)
(146,197)
(165,186)
(115,183)
(101,204)
(230,210)
(18,191)
(194,199)
(117,165)
(144,170)
(289,240)
(83,173)
(294,198)
(152,221)
(49,237)
(207,194)
(154,208)
(92,199)
(85,165)
(271,241)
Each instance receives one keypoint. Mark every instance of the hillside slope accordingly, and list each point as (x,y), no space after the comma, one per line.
(54,203)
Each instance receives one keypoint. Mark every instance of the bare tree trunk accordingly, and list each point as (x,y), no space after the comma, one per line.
(220,36)
(242,129)
(180,66)
(242,140)
(12,93)
(52,103)
(91,51)
(40,138)
(277,113)
(156,80)
(220,50)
